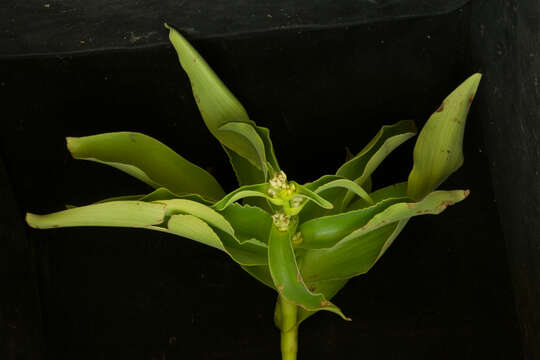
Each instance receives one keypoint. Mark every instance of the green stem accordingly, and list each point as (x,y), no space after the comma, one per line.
(289,332)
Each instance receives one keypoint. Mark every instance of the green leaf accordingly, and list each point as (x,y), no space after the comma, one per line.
(248,252)
(347,259)
(264,133)
(148,160)
(251,253)
(203,212)
(438,151)
(191,227)
(249,222)
(217,104)
(246,140)
(305,192)
(114,213)
(390,192)
(360,168)
(256,190)
(156,195)
(287,278)
(328,288)
(119,198)
(346,184)
(368,159)
(326,231)
(246,174)
(356,253)
(333,195)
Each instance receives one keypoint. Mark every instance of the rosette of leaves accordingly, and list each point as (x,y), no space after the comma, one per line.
(304,241)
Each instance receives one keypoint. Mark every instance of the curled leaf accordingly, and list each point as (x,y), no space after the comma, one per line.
(114,213)
(438,151)
(287,277)
(148,160)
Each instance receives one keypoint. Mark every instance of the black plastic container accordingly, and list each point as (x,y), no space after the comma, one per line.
(463,285)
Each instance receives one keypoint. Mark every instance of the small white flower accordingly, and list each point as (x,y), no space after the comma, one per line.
(281,221)
(297,201)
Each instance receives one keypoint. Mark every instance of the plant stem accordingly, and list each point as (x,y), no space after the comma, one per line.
(289,332)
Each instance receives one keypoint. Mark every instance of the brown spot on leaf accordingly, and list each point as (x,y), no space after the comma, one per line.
(444,204)
(195,60)
(312,288)
(324,303)
(471,98)
(410,205)
(455,120)
(279,288)
(466,193)
(441,108)
(299,277)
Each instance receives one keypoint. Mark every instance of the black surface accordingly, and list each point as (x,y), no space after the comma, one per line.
(20,313)
(442,291)
(506,42)
(56,26)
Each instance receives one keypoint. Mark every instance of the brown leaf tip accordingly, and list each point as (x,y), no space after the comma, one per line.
(466,192)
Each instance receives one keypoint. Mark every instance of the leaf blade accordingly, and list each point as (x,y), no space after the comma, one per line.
(439,148)
(146,159)
(114,213)
(356,253)
(287,278)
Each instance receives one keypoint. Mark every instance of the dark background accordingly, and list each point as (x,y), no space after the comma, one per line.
(463,285)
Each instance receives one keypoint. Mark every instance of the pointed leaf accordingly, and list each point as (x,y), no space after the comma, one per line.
(328,288)
(193,228)
(114,213)
(366,161)
(438,151)
(326,231)
(256,190)
(158,194)
(246,141)
(347,259)
(287,277)
(334,195)
(217,104)
(311,195)
(434,204)
(347,184)
(250,253)
(148,160)
(390,192)
(203,212)
(356,253)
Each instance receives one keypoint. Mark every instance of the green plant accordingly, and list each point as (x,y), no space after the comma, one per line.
(304,241)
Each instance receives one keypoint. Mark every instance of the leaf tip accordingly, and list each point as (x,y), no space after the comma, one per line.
(466,193)
(30,220)
(72,144)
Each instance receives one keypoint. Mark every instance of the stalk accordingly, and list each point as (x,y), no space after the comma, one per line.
(289,332)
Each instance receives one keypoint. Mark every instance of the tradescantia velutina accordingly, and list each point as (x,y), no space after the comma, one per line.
(302,240)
